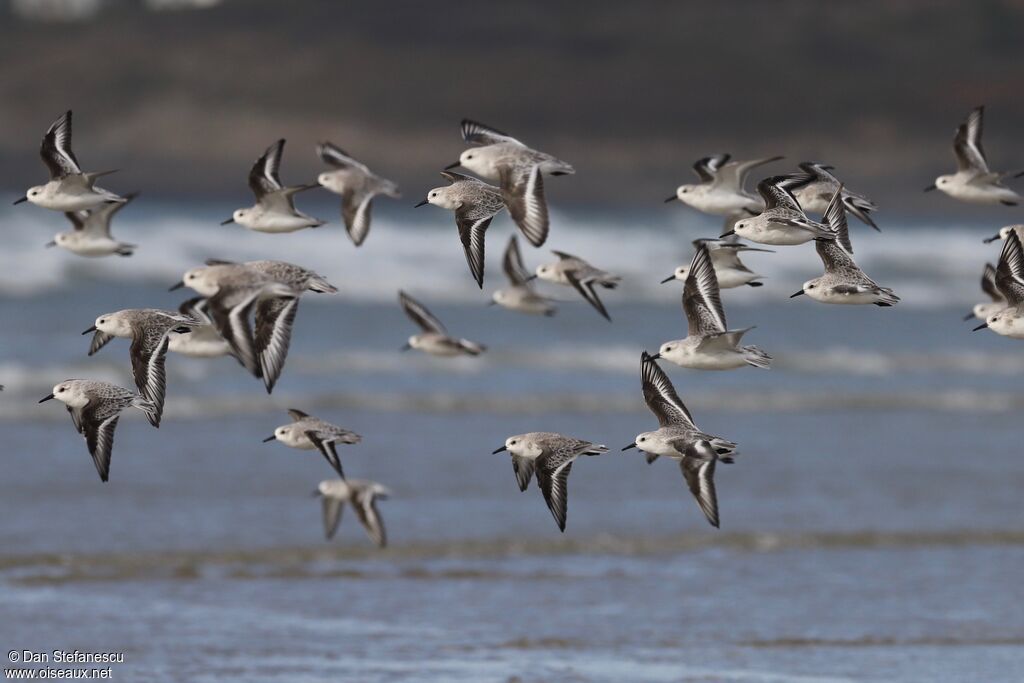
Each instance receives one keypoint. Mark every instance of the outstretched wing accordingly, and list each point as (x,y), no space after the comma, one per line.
(523,467)
(970,155)
(661,396)
(273,335)
(264,175)
(331,508)
(99,437)
(699,473)
(56,149)
(554,485)
(702,301)
(471,233)
(419,314)
(327,449)
(707,167)
(478,135)
(335,156)
(365,505)
(512,263)
(523,193)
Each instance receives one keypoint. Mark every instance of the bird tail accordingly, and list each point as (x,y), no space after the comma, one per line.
(887,297)
(471,347)
(725,449)
(320,285)
(559,167)
(861,207)
(756,357)
(125,249)
(151,409)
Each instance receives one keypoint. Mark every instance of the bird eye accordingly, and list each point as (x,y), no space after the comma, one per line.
(685,190)
(469,156)
(642,438)
(512,443)
(61,390)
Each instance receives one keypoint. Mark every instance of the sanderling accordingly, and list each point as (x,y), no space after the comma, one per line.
(709,344)
(499,157)
(274,210)
(725,257)
(720,191)
(520,296)
(973,181)
(822,184)
(1009,322)
(1004,232)
(475,203)
(434,339)
(204,341)
(91,235)
(363,496)
(69,188)
(679,438)
(356,184)
(843,282)
(95,408)
(149,329)
(574,272)
(308,433)
(232,291)
(782,222)
(988,285)
(550,455)
(275,316)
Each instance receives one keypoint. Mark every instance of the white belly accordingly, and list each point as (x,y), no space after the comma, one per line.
(278,222)
(981,194)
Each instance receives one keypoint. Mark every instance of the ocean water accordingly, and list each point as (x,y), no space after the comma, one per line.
(871,528)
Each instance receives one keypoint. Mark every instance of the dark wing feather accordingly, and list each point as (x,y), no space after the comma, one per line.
(586,290)
(523,194)
(418,313)
(512,263)
(327,450)
(99,437)
(263,176)
(554,485)
(149,353)
(702,301)
(273,334)
(472,233)
(661,396)
(523,467)
(365,506)
(699,474)
(478,134)
(56,149)
(331,508)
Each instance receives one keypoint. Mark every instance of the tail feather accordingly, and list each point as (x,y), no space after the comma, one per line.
(322,286)
(471,347)
(756,357)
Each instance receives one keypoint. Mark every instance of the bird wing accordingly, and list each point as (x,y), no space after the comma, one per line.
(264,175)
(335,156)
(661,396)
(326,447)
(553,483)
(56,149)
(702,301)
(523,193)
(419,314)
(273,334)
(512,263)
(332,509)
(478,134)
(970,155)
(699,474)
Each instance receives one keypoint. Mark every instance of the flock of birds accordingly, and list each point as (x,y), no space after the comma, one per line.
(246,310)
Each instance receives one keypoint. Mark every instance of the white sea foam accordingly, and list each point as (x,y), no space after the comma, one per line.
(927,266)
